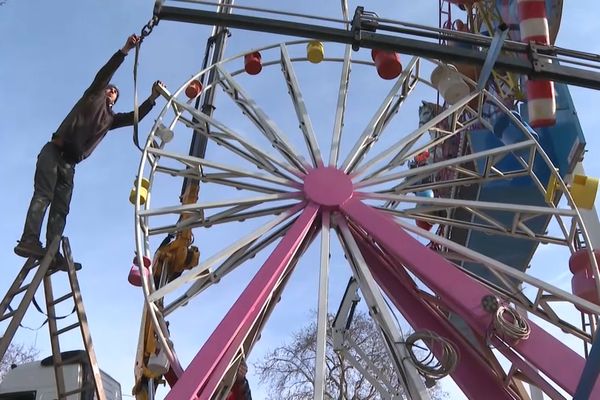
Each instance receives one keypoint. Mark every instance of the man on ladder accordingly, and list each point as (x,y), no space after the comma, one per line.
(76,138)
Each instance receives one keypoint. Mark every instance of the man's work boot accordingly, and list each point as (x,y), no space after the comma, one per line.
(60,263)
(30,248)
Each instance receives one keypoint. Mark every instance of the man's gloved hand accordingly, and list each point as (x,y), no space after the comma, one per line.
(131,42)
(156,86)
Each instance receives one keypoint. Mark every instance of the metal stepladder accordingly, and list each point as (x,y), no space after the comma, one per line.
(43,273)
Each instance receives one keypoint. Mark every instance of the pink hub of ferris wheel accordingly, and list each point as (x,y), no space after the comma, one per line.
(328,187)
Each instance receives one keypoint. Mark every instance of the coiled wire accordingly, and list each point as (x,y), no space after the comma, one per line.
(428,365)
(515,326)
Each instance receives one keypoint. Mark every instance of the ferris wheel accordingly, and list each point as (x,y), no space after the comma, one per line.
(436,194)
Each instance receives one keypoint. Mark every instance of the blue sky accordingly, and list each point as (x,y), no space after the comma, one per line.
(50,53)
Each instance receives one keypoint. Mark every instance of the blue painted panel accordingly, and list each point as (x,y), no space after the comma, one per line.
(506,132)
(566,137)
(564,144)
(511,251)
(514,252)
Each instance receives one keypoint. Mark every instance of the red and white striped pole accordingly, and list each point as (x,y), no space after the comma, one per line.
(541,103)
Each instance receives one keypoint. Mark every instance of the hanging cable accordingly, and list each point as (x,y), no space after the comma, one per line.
(426,363)
(146,30)
(39,309)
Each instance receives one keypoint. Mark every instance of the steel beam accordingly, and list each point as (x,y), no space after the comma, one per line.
(534,67)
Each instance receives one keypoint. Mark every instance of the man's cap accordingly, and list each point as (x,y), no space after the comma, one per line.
(111,86)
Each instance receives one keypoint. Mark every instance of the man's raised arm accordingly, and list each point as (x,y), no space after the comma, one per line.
(106,73)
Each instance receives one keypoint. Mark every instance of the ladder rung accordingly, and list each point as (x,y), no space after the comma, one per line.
(8,315)
(31,266)
(19,290)
(66,329)
(61,299)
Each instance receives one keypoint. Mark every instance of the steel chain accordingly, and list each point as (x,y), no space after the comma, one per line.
(147,29)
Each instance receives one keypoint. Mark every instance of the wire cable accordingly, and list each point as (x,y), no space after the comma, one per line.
(431,366)
(509,322)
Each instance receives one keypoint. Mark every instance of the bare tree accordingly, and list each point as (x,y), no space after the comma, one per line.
(16,354)
(289,370)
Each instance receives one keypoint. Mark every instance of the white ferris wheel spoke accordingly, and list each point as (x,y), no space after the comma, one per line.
(491,156)
(412,381)
(409,151)
(301,111)
(382,116)
(492,227)
(261,160)
(222,179)
(230,215)
(474,204)
(200,270)
(545,292)
(340,110)
(264,124)
(416,134)
(322,310)
(519,214)
(256,152)
(200,123)
(197,163)
(236,259)
(200,207)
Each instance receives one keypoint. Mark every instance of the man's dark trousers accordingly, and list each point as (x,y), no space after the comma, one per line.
(53,185)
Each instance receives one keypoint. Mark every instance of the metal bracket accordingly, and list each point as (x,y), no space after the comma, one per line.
(538,62)
(356,28)
(362,21)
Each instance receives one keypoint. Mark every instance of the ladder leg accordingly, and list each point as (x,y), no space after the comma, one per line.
(18,315)
(83,323)
(53,329)
(16,285)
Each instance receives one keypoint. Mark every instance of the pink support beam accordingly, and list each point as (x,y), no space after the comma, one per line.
(237,343)
(517,361)
(463,296)
(473,373)
(223,363)
(198,381)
